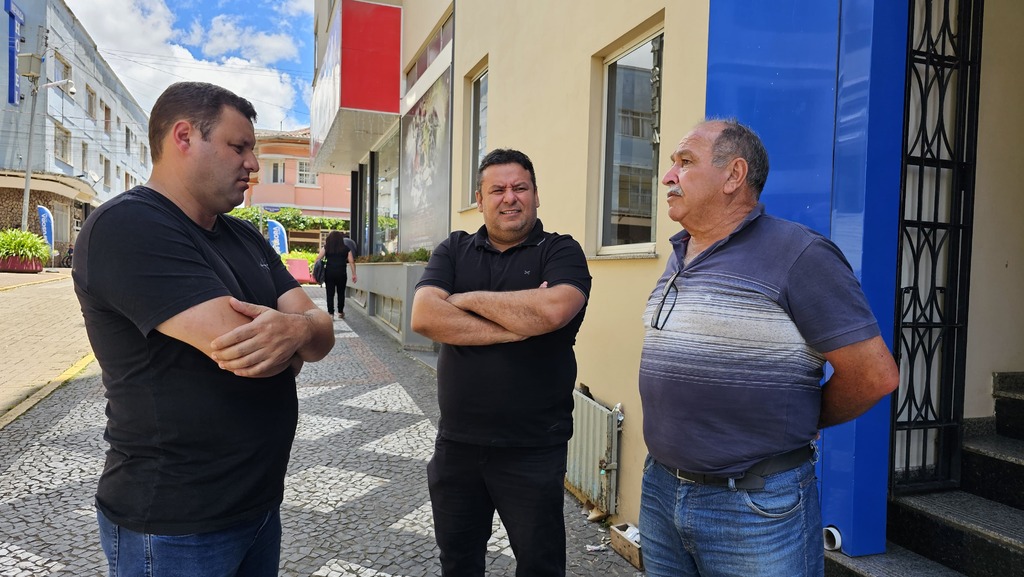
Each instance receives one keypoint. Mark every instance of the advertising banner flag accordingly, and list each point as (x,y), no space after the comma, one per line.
(277,236)
(46,224)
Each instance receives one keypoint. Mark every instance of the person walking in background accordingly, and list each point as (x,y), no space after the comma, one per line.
(505,303)
(335,254)
(739,327)
(200,331)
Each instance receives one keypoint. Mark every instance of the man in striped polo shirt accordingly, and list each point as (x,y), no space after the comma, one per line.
(739,327)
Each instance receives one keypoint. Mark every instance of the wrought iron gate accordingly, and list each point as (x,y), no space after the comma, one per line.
(936,214)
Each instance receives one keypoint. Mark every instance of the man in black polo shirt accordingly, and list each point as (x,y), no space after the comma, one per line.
(505,303)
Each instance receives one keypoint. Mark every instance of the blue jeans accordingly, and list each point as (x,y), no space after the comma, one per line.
(525,484)
(696,530)
(251,549)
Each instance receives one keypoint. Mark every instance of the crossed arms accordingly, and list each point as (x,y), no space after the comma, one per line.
(492,317)
(252,340)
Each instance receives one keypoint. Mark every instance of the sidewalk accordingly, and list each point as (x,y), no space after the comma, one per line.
(43,335)
(356,500)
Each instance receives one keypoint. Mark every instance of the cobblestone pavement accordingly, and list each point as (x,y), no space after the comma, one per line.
(356,499)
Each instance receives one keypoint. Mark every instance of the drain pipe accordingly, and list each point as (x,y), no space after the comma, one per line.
(833,539)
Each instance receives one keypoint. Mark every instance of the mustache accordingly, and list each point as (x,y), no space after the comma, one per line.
(675,190)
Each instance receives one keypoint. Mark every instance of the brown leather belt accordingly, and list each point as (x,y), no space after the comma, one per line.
(753,479)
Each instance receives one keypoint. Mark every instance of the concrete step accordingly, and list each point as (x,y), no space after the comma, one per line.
(1008,391)
(895,562)
(993,467)
(965,532)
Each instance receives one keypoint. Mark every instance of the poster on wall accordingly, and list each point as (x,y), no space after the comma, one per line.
(425,181)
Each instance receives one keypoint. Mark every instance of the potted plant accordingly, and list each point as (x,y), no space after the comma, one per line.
(22,251)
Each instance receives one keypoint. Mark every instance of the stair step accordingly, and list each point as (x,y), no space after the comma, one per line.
(1008,382)
(1010,413)
(993,467)
(970,534)
(895,562)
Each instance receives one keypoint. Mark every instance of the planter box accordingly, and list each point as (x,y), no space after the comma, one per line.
(18,264)
(385,291)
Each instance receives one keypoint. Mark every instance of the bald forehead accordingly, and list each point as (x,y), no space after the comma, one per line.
(699,141)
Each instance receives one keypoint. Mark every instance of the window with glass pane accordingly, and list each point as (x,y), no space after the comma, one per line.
(306,175)
(276,172)
(62,143)
(479,139)
(385,238)
(631,145)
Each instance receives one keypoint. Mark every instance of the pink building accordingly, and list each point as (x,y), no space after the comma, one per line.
(286,179)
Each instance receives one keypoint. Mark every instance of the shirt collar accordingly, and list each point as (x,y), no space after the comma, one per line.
(535,237)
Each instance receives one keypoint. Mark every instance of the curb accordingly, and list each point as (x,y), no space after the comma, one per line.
(23,407)
(14,286)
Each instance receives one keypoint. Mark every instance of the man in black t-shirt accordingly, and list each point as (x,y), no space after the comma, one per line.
(200,331)
(505,303)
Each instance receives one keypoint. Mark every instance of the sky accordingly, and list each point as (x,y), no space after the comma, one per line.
(259,49)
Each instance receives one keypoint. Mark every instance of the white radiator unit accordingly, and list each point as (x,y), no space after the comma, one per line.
(593,462)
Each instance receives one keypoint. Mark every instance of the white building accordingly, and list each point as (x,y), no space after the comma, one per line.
(88,143)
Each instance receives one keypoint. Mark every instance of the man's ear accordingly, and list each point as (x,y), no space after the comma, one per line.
(737,175)
(182,134)
(479,201)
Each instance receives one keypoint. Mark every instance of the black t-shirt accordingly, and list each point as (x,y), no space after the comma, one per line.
(193,448)
(510,394)
(335,262)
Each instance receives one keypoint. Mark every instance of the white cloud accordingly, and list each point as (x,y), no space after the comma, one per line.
(226,36)
(293,7)
(148,53)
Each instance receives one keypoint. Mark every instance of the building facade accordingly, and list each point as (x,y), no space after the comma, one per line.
(286,179)
(889,126)
(88,143)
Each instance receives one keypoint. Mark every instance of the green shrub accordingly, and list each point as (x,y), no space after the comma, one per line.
(418,255)
(310,257)
(22,244)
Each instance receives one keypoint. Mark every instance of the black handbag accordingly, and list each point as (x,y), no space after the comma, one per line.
(319,270)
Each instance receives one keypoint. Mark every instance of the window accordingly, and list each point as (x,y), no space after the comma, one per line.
(90,101)
(85,157)
(106,117)
(437,42)
(143,154)
(630,163)
(62,143)
(306,176)
(478,141)
(127,140)
(106,172)
(61,222)
(277,172)
(61,70)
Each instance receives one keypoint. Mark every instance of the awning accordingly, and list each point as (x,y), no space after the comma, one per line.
(69,187)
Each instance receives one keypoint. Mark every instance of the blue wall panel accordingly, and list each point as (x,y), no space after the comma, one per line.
(772,65)
(822,83)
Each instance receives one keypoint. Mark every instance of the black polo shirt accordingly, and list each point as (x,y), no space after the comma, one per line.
(510,394)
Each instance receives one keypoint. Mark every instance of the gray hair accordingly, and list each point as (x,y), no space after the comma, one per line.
(740,141)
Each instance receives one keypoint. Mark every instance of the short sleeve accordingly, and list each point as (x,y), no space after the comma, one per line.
(826,301)
(566,264)
(143,265)
(440,269)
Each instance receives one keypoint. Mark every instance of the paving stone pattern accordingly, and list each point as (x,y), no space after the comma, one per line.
(356,501)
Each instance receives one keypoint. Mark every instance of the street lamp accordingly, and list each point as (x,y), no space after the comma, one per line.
(28,155)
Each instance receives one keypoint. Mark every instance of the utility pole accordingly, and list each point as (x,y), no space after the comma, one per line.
(34,79)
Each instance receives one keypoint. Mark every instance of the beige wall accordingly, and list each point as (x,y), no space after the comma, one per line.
(996,315)
(545,74)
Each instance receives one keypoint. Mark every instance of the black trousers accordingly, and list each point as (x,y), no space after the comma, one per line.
(524,484)
(338,284)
